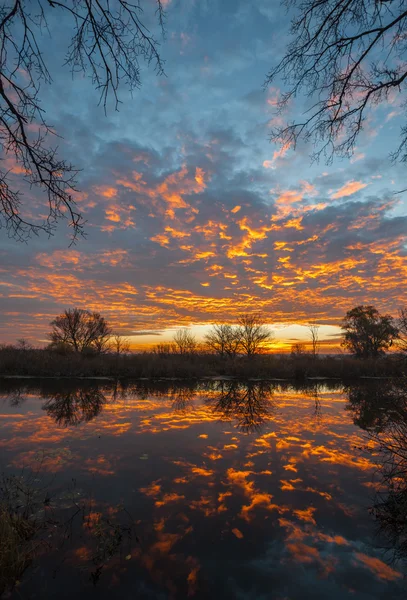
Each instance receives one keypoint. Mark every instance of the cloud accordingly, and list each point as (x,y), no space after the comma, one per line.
(294,257)
(351,187)
(277,154)
(146,332)
(191,215)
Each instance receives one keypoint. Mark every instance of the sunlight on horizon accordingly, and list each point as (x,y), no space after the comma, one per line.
(284,336)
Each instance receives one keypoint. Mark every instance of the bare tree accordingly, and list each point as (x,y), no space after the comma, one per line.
(223,339)
(313,329)
(254,334)
(82,330)
(120,344)
(23,344)
(165,349)
(185,342)
(349,55)
(298,349)
(108,39)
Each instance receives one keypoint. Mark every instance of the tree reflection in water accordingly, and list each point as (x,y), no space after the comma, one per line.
(181,394)
(376,404)
(249,403)
(13,392)
(17,397)
(382,411)
(76,406)
(182,398)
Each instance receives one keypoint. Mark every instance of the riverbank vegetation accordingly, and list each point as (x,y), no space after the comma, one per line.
(82,344)
(19,526)
(48,363)
(34,521)
(15,556)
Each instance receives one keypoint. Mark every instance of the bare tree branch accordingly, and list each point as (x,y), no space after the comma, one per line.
(349,55)
(184,342)
(255,335)
(223,339)
(108,40)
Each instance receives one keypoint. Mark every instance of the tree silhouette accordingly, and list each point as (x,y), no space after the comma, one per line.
(347,55)
(184,342)
(367,333)
(120,345)
(81,330)
(223,339)
(108,39)
(254,334)
(298,349)
(313,329)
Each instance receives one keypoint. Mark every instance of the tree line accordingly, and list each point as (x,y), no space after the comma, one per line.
(366,334)
(88,332)
(248,337)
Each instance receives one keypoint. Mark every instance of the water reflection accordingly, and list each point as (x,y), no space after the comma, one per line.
(375,405)
(74,407)
(145,389)
(16,397)
(68,404)
(390,507)
(249,404)
(382,411)
(233,486)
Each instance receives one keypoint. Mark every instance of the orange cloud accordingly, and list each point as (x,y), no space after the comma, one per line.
(306,514)
(120,215)
(168,196)
(237,533)
(351,187)
(280,153)
(106,191)
(378,567)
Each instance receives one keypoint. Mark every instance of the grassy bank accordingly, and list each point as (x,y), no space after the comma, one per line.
(45,363)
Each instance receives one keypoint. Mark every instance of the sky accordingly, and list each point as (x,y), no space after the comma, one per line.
(193,215)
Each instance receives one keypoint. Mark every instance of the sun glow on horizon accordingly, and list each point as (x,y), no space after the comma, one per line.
(284,335)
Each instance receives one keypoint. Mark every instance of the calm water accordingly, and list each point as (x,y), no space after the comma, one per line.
(213,490)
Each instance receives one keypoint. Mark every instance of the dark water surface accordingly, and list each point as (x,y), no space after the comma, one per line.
(213,490)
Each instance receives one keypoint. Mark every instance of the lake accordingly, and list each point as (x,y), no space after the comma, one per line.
(214,489)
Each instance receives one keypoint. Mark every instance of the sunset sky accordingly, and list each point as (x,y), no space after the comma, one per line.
(193,216)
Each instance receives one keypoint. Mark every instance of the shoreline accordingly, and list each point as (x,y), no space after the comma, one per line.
(203,378)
